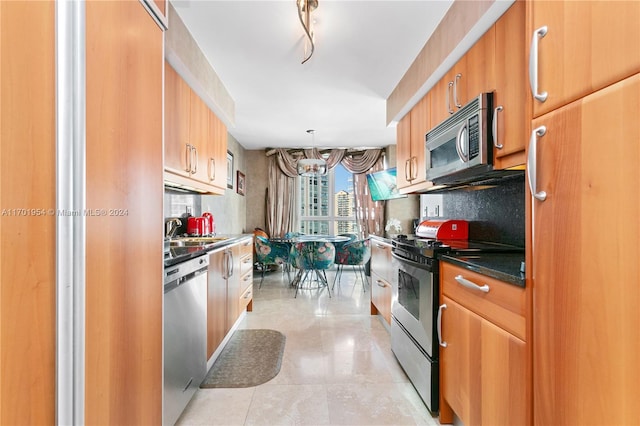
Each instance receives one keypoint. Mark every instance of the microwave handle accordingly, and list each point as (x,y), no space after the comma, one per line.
(459,142)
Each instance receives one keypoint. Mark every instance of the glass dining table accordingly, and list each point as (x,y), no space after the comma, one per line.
(312,255)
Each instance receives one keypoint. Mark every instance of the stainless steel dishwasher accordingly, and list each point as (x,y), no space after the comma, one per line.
(185,334)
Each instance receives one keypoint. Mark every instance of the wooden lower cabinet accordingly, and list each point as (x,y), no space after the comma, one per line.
(586,246)
(216,300)
(382,278)
(484,369)
(229,289)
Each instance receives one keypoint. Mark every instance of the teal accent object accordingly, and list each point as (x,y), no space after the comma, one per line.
(271,253)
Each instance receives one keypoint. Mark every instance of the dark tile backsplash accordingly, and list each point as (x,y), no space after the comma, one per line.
(495,214)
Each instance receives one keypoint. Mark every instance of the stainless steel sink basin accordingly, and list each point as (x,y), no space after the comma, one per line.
(195,241)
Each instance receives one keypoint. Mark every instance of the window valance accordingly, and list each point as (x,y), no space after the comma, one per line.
(355,162)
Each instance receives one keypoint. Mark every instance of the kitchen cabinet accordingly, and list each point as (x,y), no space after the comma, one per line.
(124,260)
(382,279)
(411,152)
(229,289)
(217,298)
(473,74)
(510,115)
(195,142)
(27,237)
(586,46)
(586,246)
(484,363)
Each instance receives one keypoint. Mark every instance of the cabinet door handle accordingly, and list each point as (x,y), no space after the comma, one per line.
(414,167)
(195,163)
(439,325)
(247,295)
(407,168)
(212,169)
(381,246)
(187,157)
(532,163)
(455,90)
(495,127)
(470,284)
(381,283)
(533,64)
(449,93)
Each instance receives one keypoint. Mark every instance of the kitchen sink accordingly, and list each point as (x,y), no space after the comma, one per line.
(195,241)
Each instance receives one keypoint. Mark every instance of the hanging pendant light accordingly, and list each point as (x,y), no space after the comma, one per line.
(312,166)
(305,7)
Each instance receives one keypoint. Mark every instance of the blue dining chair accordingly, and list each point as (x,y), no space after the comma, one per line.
(354,253)
(312,257)
(271,253)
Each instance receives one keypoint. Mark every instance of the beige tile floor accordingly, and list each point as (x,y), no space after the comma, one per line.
(337,369)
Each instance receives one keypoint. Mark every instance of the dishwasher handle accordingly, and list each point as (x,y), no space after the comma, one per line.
(172,285)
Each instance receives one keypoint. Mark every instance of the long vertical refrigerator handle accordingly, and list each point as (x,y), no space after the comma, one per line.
(439,325)
(532,163)
(533,64)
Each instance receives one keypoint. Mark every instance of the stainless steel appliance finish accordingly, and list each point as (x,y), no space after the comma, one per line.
(185,331)
(460,148)
(413,325)
(415,309)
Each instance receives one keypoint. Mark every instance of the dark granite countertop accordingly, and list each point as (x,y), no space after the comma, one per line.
(502,266)
(180,254)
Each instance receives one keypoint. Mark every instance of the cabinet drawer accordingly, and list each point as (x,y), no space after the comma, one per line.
(381,295)
(245,298)
(503,304)
(246,280)
(246,263)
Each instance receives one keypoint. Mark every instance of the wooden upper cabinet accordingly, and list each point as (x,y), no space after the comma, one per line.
(162,6)
(217,152)
(473,74)
(403,152)
(588,45)
(176,139)
(586,307)
(510,115)
(411,151)
(195,139)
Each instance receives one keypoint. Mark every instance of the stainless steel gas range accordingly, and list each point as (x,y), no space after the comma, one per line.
(414,328)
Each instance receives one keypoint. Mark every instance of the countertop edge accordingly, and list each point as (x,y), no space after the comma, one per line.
(498,274)
(231,239)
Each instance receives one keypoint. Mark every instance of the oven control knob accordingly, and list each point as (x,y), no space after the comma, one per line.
(401,236)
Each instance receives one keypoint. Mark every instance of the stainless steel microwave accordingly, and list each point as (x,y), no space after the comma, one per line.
(460,148)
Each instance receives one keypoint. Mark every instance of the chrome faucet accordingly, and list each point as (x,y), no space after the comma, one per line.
(172,226)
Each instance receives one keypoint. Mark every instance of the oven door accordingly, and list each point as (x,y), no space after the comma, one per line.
(415,307)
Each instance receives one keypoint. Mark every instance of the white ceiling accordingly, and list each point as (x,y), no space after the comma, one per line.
(363,49)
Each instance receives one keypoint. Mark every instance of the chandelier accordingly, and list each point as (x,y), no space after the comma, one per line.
(312,166)
(305,7)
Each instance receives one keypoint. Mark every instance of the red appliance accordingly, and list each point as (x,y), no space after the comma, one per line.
(443,229)
(212,223)
(192,226)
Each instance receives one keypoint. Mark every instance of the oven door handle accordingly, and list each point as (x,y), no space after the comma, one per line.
(439,325)
(470,284)
(412,263)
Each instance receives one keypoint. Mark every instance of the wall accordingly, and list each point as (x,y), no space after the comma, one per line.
(496,214)
(229,211)
(257,181)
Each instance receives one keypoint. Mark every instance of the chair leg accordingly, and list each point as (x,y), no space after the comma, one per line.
(338,275)
(326,282)
(262,278)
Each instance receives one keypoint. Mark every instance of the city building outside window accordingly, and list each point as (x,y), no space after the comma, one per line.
(326,203)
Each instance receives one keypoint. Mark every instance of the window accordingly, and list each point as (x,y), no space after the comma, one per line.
(326,203)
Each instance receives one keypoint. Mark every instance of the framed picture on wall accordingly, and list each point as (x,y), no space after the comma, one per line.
(240,185)
(229,170)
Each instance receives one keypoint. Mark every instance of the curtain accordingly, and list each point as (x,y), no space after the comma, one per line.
(281,214)
(369,213)
(281,202)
